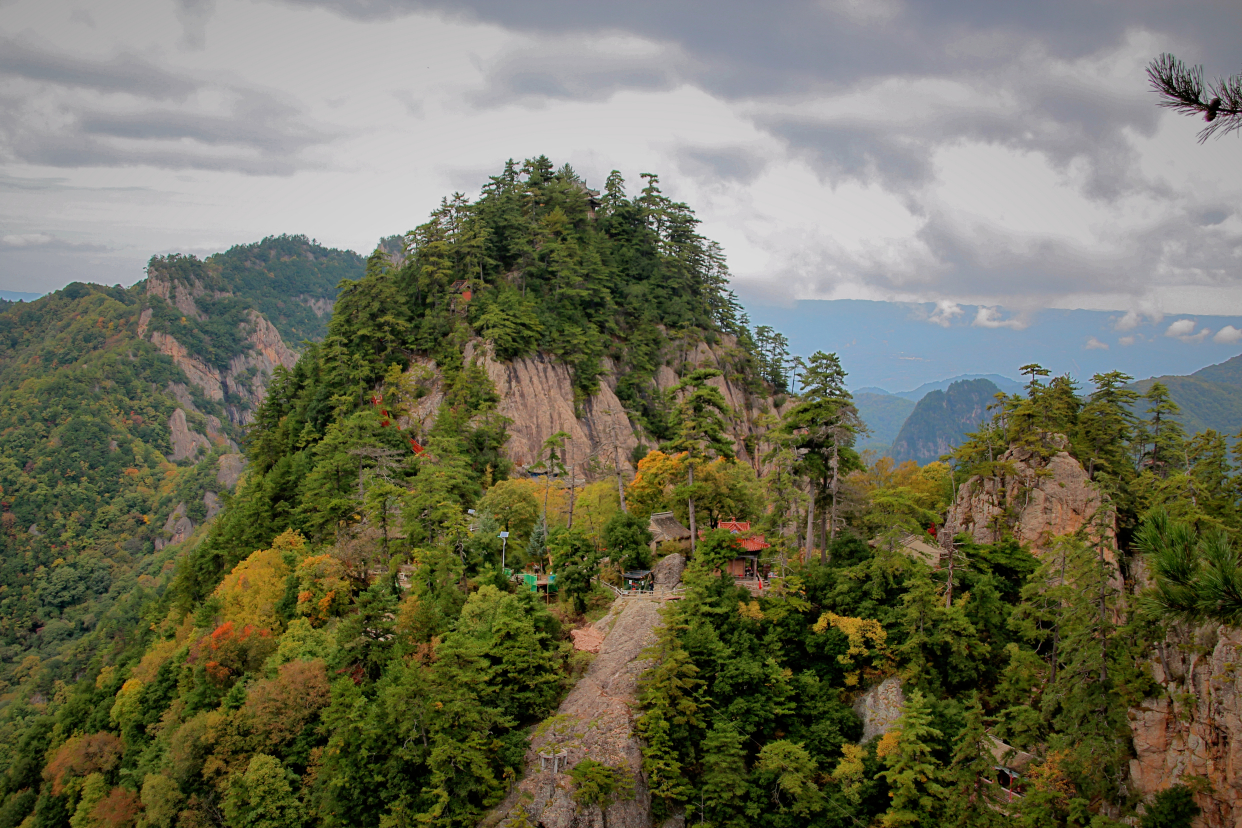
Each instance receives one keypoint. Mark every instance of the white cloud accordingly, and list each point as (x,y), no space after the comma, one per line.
(1181,328)
(1227,335)
(1094,344)
(26,239)
(989,318)
(944,313)
(1126,340)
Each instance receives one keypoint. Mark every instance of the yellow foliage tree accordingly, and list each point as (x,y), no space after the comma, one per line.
(248,595)
(862,634)
(595,504)
(652,486)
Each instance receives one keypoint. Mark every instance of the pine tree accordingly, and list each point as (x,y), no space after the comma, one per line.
(701,430)
(1162,432)
(821,428)
(913,777)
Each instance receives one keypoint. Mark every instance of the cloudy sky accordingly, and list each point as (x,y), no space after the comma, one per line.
(1003,155)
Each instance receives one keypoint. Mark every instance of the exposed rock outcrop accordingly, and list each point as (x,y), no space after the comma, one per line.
(250,372)
(667,572)
(537,396)
(185,442)
(178,526)
(229,469)
(1195,729)
(243,385)
(880,707)
(319,304)
(1031,497)
(207,378)
(595,721)
(212,502)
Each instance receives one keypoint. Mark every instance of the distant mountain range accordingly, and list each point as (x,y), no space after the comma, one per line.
(121,411)
(1005,384)
(930,420)
(886,413)
(1209,398)
(942,419)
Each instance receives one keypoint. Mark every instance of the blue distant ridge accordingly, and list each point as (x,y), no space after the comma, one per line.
(896,345)
(18,296)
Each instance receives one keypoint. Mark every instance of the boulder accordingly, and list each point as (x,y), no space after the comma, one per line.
(1034,495)
(880,707)
(668,570)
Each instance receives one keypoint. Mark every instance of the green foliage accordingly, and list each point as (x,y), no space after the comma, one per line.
(627,539)
(262,797)
(1173,807)
(599,785)
(1198,576)
(575,562)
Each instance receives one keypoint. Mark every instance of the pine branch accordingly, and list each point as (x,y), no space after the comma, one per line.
(1183,90)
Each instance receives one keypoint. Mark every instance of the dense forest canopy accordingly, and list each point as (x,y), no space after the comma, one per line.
(87,481)
(344,646)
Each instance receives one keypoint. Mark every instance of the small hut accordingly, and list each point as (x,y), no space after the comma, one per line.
(665,528)
(746,566)
(1011,766)
(638,580)
(461,295)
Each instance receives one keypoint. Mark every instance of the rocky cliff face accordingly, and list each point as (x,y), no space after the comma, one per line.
(537,396)
(1195,729)
(1031,497)
(243,385)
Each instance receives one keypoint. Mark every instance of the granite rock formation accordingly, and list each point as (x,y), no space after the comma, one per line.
(537,396)
(1033,496)
(595,721)
(185,441)
(880,707)
(1194,729)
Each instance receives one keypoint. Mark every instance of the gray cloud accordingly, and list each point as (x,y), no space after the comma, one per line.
(256,133)
(574,71)
(121,74)
(194,15)
(755,48)
(721,163)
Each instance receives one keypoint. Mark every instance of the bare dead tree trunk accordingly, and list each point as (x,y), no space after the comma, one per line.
(810,526)
(616,461)
(694,534)
(572,481)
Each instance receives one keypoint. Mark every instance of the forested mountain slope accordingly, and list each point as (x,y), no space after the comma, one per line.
(1210,398)
(121,412)
(342,645)
(941,419)
(884,415)
(364,456)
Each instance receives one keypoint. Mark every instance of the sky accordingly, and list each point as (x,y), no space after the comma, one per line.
(899,346)
(991,159)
